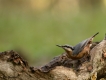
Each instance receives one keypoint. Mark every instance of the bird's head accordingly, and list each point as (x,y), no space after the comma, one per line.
(67,48)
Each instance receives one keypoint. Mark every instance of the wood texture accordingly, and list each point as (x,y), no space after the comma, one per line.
(92,67)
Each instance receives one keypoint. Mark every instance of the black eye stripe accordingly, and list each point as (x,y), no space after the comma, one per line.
(67,46)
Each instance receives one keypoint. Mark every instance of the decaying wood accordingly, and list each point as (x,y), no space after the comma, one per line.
(91,67)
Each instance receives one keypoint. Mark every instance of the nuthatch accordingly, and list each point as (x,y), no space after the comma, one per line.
(80,50)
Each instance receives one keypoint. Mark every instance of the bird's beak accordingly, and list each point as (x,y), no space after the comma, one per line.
(91,39)
(59,45)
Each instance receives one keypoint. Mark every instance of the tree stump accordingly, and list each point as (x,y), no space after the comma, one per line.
(92,67)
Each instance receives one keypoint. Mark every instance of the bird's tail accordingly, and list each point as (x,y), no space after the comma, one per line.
(95,34)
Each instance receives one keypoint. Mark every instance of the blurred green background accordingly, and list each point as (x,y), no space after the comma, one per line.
(34,27)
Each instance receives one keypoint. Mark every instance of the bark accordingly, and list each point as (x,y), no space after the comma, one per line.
(91,67)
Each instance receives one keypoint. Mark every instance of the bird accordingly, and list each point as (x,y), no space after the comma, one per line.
(80,50)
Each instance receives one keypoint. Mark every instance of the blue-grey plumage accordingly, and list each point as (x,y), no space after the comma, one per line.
(79,47)
(80,50)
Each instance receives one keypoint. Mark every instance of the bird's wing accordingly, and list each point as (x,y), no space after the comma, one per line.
(79,47)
